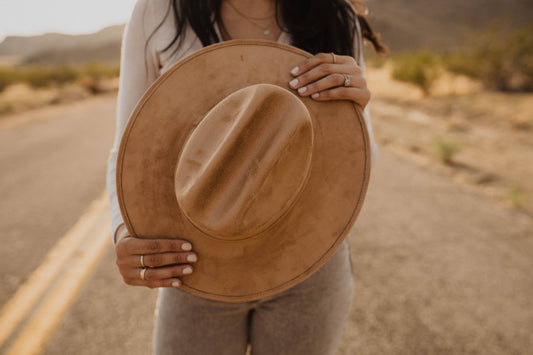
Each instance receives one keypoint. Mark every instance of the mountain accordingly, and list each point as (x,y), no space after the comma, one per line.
(53,48)
(442,24)
(106,52)
(404,25)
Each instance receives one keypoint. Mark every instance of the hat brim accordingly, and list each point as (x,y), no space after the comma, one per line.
(305,237)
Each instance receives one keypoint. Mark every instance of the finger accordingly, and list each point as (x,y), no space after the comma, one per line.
(161,273)
(158,260)
(322,71)
(131,246)
(332,81)
(329,81)
(317,73)
(357,95)
(320,58)
(155,283)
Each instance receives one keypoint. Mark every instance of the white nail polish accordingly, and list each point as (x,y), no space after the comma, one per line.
(176,284)
(186,246)
(302,90)
(315,95)
(191,258)
(294,70)
(187,270)
(293,83)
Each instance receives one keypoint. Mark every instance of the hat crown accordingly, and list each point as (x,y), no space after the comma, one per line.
(246,162)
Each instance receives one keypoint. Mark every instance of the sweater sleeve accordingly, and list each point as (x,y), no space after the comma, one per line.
(358,50)
(138,70)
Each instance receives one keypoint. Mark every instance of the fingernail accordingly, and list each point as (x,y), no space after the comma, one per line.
(315,95)
(293,83)
(191,258)
(187,270)
(302,90)
(176,284)
(295,70)
(186,246)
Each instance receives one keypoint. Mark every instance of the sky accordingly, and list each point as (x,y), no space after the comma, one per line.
(33,17)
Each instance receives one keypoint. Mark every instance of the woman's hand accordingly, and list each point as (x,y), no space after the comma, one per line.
(163,260)
(327,76)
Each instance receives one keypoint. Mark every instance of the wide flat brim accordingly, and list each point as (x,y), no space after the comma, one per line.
(305,237)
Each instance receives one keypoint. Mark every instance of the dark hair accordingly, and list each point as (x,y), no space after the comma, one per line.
(315,26)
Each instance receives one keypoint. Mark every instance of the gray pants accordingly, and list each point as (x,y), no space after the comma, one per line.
(308,318)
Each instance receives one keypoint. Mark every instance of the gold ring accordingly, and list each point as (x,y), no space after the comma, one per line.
(334,57)
(346,80)
(142,261)
(143,272)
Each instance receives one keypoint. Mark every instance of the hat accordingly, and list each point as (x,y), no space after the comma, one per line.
(264,183)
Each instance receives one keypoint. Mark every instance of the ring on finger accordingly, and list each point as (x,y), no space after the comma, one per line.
(347,81)
(142,261)
(143,273)
(334,57)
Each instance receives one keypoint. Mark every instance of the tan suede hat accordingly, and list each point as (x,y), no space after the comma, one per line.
(265,184)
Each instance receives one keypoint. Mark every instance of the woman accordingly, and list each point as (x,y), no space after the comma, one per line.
(308,318)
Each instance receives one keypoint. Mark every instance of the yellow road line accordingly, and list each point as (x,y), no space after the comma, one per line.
(31,291)
(51,310)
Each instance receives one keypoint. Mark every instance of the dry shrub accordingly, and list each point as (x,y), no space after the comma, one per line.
(48,76)
(6,107)
(94,74)
(6,78)
(100,70)
(501,59)
(516,196)
(89,75)
(419,68)
(445,151)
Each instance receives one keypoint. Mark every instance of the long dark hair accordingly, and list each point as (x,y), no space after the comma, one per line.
(315,26)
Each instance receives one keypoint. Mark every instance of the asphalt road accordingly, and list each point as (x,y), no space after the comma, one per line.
(438,269)
(52,164)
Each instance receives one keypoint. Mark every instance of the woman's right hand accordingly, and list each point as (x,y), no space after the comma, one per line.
(165,260)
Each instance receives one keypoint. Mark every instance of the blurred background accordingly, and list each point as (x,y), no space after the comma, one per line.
(442,251)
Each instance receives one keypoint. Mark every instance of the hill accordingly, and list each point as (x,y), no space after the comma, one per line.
(107,52)
(441,24)
(54,48)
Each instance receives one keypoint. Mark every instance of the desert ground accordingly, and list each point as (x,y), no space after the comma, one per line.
(492,132)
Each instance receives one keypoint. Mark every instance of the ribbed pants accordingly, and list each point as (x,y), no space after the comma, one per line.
(306,319)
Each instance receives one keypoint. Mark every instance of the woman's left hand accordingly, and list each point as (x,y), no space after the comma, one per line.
(327,76)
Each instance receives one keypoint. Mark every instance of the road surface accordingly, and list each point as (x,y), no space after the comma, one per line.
(438,269)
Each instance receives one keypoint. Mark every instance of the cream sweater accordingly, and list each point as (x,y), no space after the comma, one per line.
(143,63)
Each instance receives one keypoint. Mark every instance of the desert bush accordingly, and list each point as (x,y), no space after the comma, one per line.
(92,75)
(420,68)
(516,196)
(6,107)
(42,77)
(501,59)
(98,70)
(6,78)
(445,150)
(89,75)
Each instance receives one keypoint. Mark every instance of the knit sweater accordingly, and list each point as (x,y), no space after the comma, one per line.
(143,60)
